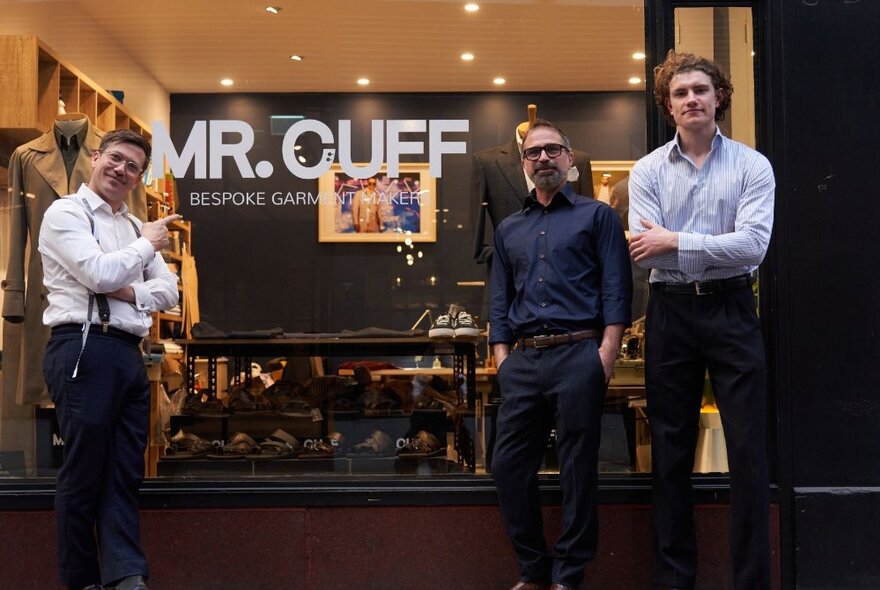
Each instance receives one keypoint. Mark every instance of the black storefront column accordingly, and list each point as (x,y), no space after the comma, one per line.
(826,148)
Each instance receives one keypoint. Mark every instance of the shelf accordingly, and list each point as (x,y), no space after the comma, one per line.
(35,80)
(169,317)
(172,256)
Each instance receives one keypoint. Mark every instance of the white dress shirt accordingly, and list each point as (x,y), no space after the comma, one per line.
(722,211)
(76,264)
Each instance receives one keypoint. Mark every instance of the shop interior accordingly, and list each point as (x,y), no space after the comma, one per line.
(300,347)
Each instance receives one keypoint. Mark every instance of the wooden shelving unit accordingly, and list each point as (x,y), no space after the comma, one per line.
(33,78)
(32,81)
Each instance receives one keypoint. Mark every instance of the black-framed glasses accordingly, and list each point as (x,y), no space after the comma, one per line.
(553,150)
(131,168)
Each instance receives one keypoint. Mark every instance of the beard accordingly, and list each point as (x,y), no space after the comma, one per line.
(550,180)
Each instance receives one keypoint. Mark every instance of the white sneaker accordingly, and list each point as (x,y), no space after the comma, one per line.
(442,327)
(464,325)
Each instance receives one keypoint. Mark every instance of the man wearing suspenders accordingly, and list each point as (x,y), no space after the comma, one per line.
(104,276)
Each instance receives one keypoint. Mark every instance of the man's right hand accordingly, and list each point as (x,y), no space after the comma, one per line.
(157,231)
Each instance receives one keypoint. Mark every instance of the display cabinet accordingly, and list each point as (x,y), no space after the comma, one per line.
(344,424)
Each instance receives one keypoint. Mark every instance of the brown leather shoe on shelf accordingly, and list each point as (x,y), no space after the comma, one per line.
(522,585)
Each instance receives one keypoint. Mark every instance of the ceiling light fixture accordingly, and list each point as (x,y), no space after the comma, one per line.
(273,9)
(227,82)
(296,57)
(639,55)
(363,81)
(499,81)
(472,7)
(635,80)
(467,57)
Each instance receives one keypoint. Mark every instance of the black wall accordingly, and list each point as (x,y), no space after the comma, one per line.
(263,266)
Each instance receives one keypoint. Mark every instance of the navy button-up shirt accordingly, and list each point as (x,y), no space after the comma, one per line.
(560,268)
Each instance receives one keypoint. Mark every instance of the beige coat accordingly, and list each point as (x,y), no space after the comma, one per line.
(37,177)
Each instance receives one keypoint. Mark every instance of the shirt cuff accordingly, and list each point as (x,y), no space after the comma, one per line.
(141,296)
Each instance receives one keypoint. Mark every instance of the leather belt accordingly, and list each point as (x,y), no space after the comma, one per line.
(97,329)
(557,339)
(704,287)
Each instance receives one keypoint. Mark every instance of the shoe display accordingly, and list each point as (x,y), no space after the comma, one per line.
(465,325)
(377,444)
(423,445)
(442,327)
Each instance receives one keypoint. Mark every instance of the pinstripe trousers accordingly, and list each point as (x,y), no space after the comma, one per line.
(560,387)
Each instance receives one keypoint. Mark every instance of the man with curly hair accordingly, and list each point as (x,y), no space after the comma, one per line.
(701,214)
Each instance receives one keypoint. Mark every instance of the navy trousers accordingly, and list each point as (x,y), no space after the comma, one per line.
(103,415)
(685,335)
(561,387)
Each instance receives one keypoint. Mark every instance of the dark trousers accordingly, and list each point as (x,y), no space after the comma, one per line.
(685,335)
(561,387)
(103,415)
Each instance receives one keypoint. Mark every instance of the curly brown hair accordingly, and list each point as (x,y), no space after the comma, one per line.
(678,63)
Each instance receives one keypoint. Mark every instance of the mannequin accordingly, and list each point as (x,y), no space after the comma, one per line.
(499,185)
(40,171)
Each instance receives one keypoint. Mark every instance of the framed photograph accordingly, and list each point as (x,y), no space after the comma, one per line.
(611,185)
(380,208)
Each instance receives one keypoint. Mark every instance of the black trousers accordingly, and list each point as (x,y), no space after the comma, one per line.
(685,335)
(103,415)
(561,387)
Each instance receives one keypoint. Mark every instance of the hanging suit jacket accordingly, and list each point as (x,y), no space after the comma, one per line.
(37,177)
(498,187)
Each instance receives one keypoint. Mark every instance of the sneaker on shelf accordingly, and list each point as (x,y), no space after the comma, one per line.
(442,327)
(465,325)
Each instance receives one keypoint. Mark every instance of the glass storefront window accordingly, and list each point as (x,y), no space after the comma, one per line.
(268,255)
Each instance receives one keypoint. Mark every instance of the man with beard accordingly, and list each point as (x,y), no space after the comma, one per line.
(561,293)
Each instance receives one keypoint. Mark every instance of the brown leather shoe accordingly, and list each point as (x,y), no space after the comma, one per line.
(561,587)
(521,585)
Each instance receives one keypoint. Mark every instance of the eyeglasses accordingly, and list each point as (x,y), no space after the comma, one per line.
(131,168)
(553,150)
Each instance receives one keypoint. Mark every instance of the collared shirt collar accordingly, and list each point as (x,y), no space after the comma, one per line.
(674,146)
(96,202)
(566,191)
(74,142)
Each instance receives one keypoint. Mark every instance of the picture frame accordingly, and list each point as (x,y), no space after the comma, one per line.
(379,208)
(617,174)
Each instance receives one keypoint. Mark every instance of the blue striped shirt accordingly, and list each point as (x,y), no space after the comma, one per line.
(723,212)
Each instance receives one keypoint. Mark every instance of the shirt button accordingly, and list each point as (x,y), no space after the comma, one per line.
(541,256)
(543,304)
(543,232)
(546,325)
(540,279)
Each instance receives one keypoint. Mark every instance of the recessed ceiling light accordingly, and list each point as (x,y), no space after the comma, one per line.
(273,9)
(295,57)
(638,55)
(472,7)
(363,81)
(467,56)
(227,82)
(499,81)
(635,80)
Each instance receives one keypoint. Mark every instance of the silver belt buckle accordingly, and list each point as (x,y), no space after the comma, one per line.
(538,340)
(698,287)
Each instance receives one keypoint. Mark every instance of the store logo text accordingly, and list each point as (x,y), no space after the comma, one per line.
(205,147)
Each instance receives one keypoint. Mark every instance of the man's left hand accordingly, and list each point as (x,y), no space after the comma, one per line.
(607,357)
(124,294)
(656,240)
